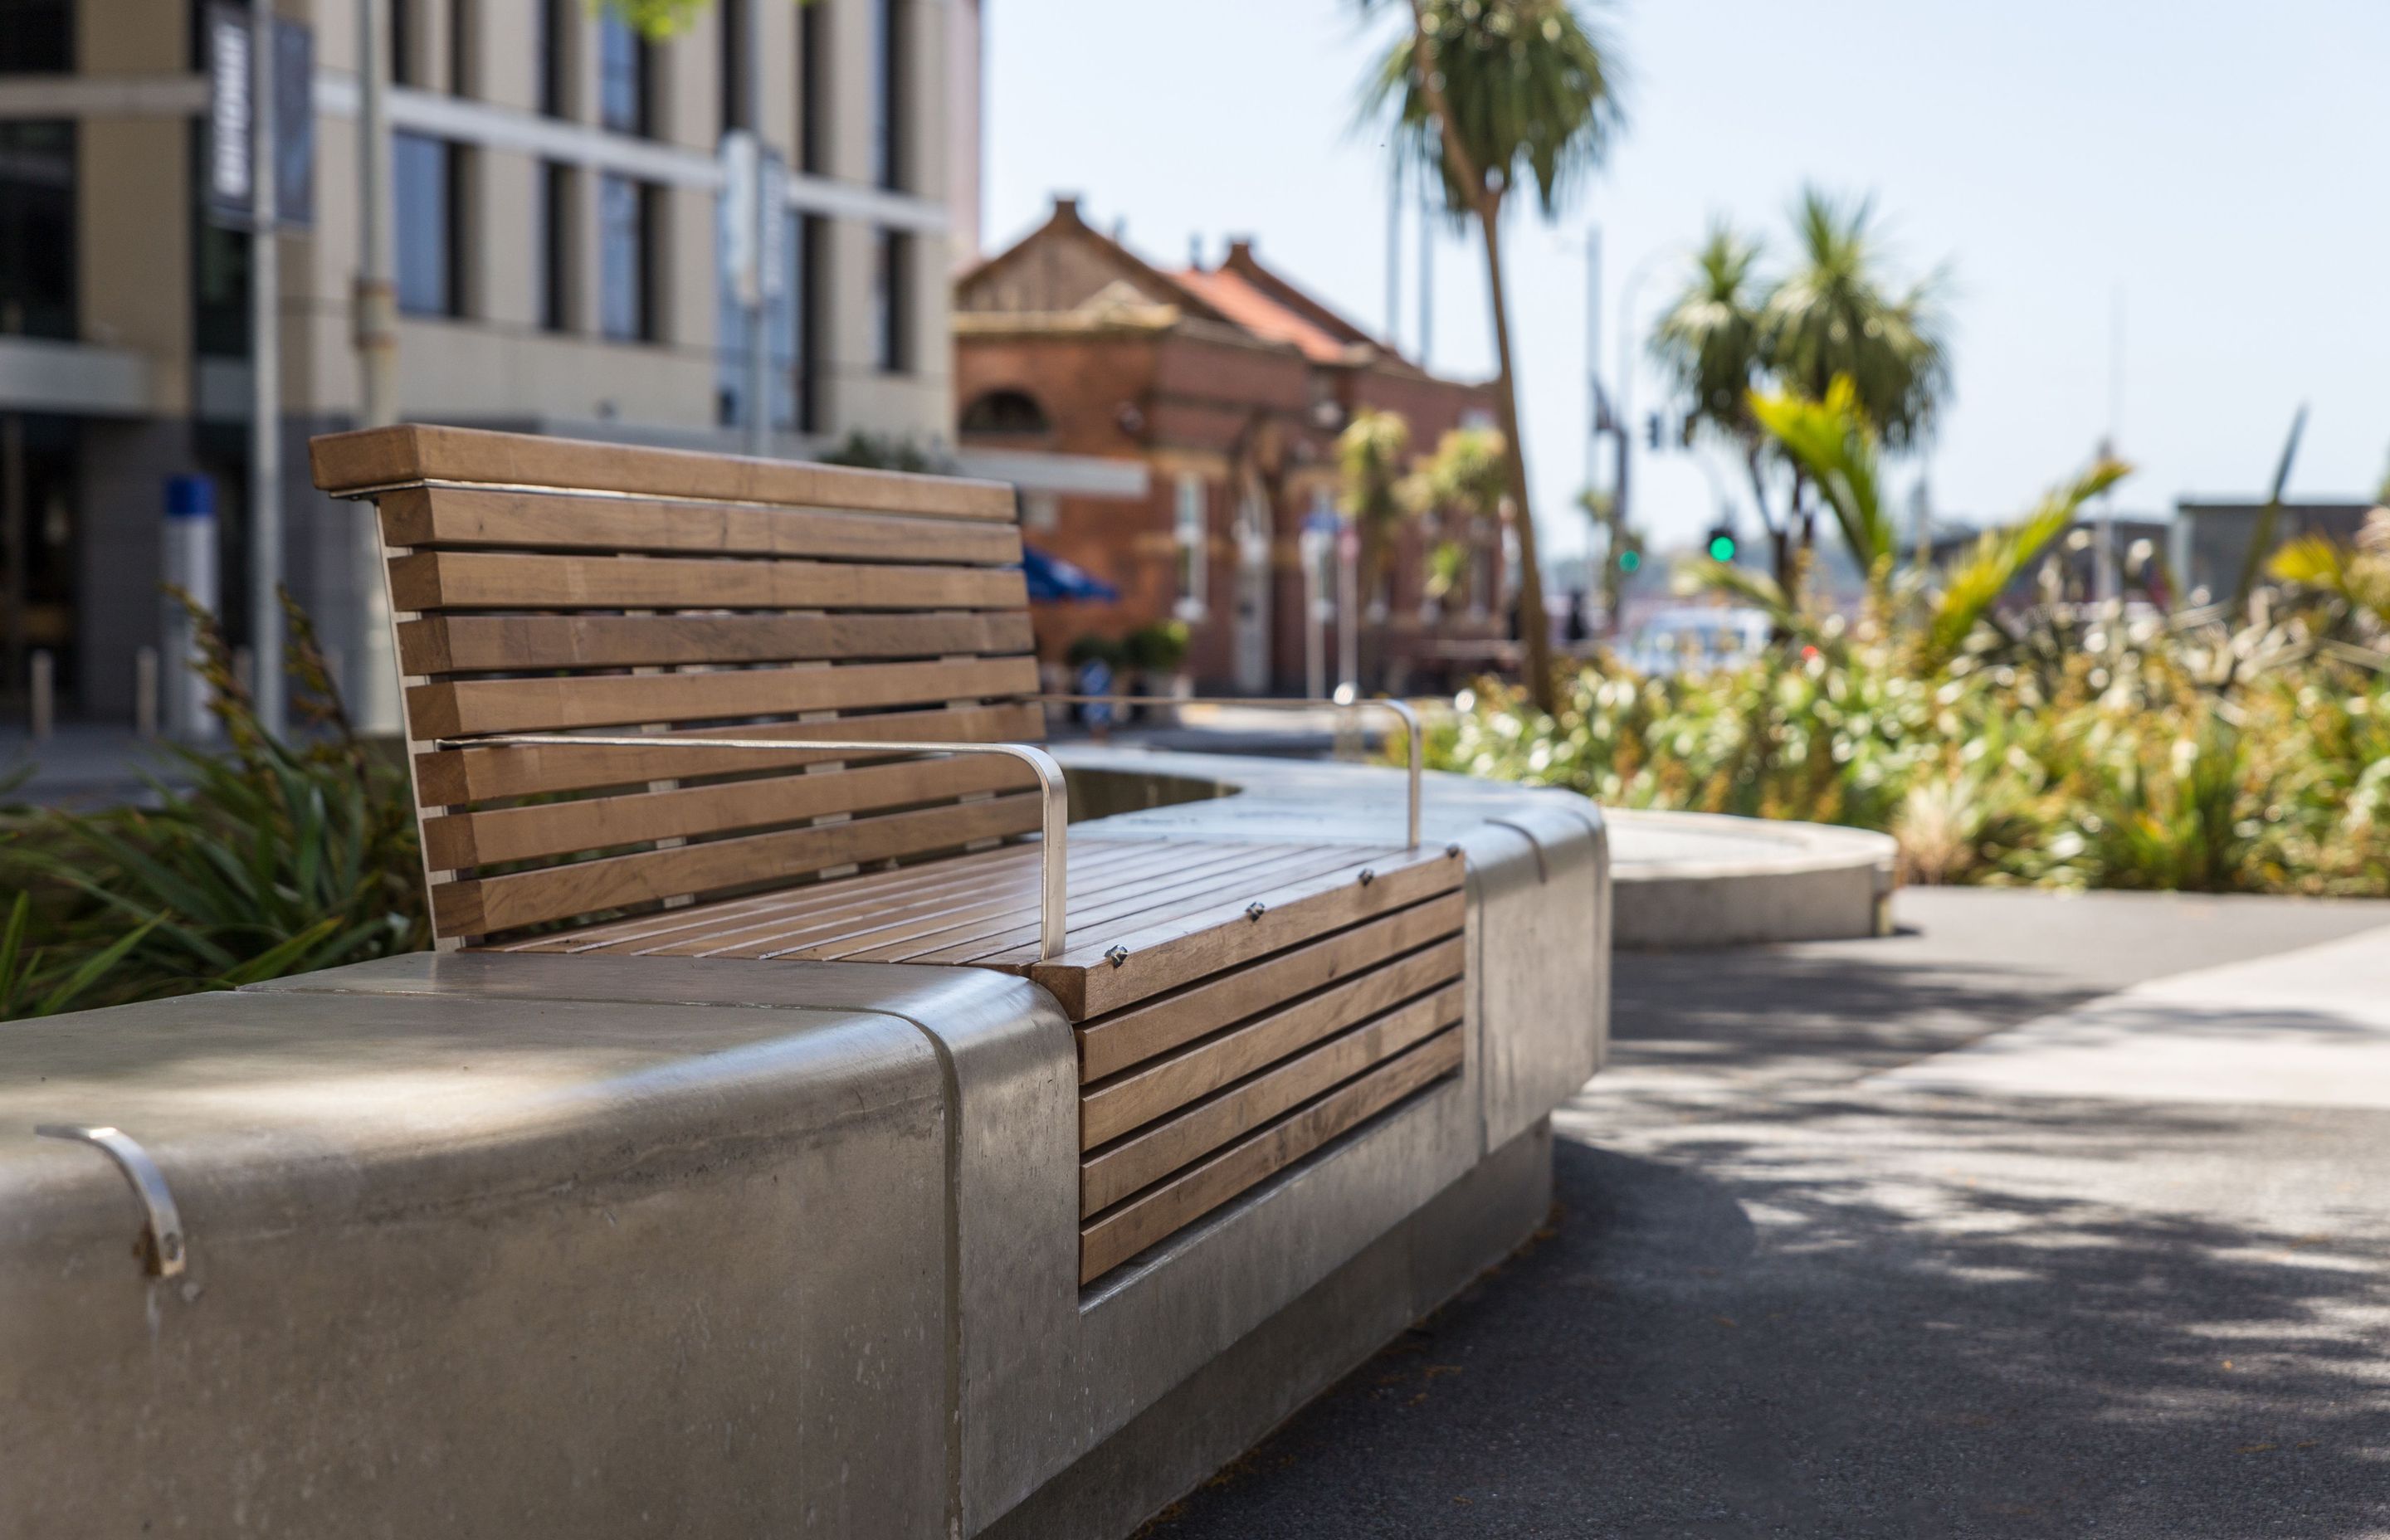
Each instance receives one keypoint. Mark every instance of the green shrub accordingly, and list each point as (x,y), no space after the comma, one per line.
(2120,768)
(275,858)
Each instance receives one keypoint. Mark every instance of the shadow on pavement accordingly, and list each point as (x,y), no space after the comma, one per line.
(1855,1336)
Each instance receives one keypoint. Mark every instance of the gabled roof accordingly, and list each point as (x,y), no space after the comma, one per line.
(1242,305)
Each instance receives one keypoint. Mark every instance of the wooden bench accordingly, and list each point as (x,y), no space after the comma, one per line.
(660,703)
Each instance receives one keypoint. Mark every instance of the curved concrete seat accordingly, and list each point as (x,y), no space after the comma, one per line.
(486,1243)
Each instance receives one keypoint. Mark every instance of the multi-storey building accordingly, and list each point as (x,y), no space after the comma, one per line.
(554,184)
(1228,386)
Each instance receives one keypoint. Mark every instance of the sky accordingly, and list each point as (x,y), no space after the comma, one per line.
(2218,174)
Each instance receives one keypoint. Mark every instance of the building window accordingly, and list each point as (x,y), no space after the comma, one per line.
(736,113)
(36,37)
(461,54)
(626,221)
(1188,533)
(622,76)
(892,302)
(424,195)
(812,289)
(1013,413)
(555,56)
(890,81)
(555,271)
(813,89)
(403,59)
(37,229)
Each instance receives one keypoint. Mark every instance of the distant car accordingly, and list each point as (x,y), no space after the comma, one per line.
(1691,639)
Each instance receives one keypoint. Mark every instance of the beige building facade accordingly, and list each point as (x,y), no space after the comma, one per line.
(554,201)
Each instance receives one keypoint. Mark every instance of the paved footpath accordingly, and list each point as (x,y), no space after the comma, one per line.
(2049,1216)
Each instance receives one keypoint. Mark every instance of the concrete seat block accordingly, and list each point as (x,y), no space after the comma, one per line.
(521,1243)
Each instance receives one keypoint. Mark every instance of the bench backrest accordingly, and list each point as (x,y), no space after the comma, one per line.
(545,586)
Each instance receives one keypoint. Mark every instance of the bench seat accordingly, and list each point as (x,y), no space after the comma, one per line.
(573,622)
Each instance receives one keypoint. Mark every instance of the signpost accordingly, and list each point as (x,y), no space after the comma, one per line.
(260,120)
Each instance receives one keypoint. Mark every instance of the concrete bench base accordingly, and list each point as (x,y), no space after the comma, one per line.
(1227,1405)
(522,1245)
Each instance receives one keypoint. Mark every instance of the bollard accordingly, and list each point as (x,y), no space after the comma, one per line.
(145,692)
(45,704)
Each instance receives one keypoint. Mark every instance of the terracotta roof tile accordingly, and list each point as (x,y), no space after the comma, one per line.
(1247,306)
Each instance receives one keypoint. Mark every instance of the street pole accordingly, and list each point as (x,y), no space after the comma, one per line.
(374,687)
(265,375)
(759,345)
(1621,511)
(1592,353)
(1427,272)
(1395,256)
(1348,610)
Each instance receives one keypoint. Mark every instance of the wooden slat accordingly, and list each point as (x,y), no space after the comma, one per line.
(767,924)
(1195,878)
(484,906)
(453,776)
(458,708)
(549,520)
(1112,1108)
(520,643)
(924,901)
(1113,1237)
(387,456)
(1131,1036)
(1186,948)
(856,917)
(1114,1174)
(459,839)
(485,580)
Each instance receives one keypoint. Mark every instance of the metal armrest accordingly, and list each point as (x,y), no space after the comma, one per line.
(1054,815)
(1409,719)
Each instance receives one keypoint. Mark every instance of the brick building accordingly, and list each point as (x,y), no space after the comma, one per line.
(1229,385)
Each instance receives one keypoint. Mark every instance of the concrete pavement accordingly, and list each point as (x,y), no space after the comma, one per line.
(2048,1216)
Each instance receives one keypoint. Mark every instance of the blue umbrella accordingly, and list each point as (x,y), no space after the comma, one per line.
(1055,581)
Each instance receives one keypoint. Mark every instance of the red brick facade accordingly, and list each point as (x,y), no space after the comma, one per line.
(1230,385)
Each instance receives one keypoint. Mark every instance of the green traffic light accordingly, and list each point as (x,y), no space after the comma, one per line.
(1721,547)
(1629,561)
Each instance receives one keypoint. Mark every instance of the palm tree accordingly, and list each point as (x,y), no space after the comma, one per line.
(1713,343)
(1462,487)
(1835,317)
(1371,458)
(1486,95)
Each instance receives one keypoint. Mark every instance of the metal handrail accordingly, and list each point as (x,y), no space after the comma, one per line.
(1409,719)
(1055,813)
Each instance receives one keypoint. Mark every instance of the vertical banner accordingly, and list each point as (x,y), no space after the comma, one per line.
(231,78)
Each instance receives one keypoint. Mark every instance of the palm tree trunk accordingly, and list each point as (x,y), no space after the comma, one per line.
(1536,632)
(1488,208)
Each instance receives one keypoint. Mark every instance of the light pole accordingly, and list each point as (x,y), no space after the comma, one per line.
(1627,294)
(372,303)
(759,345)
(265,378)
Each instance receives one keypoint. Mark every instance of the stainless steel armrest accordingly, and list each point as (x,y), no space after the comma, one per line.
(1055,814)
(1409,719)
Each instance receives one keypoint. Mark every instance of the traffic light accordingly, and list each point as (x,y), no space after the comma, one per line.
(1629,559)
(1652,430)
(1721,546)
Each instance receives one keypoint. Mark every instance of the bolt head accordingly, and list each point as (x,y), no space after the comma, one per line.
(1257,909)
(1117,955)
(1369,875)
